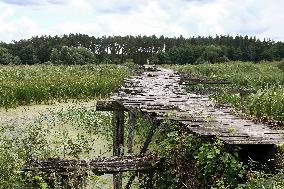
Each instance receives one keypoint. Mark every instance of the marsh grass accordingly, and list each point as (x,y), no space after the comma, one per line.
(266,78)
(25,85)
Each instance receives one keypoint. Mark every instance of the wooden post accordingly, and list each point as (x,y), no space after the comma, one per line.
(118,138)
(131,122)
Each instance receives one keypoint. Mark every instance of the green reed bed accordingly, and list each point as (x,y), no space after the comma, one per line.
(266,78)
(241,74)
(23,85)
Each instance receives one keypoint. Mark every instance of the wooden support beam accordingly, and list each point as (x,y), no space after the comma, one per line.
(100,165)
(144,149)
(118,144)
(148,139)
(131,122)
(109,105)
(118,133)
(190,80)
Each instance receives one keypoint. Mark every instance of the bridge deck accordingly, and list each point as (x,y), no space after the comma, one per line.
(158,93)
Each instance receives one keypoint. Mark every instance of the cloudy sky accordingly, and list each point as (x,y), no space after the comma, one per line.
(26,18)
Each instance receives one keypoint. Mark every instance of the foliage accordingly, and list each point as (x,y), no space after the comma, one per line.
(192,162)
(241,74)
(160,58)
(213,54)
(267,104)
(72,56)
(191,55)
(185,54)
(38,49)
(17,146)
(265,181)
(265,78)
(7,58)
(63,132)
(20,85)
(280,65)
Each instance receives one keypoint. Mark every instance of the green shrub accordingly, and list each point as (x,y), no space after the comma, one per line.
(72,56)
(7,58)
(192,162)
(267,104)
(265,182)
(160,58)
(280,65)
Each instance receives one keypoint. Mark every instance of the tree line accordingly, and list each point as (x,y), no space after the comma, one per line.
(82,49)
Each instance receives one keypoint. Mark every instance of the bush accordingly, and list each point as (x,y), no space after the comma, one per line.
(71,55)
(18,146)
(265,181)
(280,65)
(185,54)
(7,58)
(196,163)
(213,54)
(160,58)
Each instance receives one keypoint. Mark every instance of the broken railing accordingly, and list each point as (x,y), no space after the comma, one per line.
(75,170)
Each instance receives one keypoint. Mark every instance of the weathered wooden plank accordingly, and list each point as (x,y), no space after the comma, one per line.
(253,142)
(109,105)
(162,97)
(190,80)
(100,165)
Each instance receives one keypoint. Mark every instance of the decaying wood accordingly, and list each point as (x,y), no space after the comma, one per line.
(131,126)
(148,139)
(143,151)
(103,165)
(118,144)
(192,80)
(109,105)
(162,97)
(118,133)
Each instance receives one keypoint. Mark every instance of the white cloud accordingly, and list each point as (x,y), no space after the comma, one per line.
(16,29)
(22,28)
(262,18)
(80,4)
(34,2)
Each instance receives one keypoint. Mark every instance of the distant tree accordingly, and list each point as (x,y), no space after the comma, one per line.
(269,54)
(213,54)
(160,58)
(185,54)
(54,57)
(7,58)
(178,50)
(72,55)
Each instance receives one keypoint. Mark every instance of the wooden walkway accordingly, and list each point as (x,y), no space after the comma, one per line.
(157,95)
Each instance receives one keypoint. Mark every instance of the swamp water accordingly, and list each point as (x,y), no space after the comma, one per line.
(65,130)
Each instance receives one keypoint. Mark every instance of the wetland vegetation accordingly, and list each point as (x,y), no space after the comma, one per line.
(49,85)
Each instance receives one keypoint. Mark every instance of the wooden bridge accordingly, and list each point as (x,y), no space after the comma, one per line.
(157,95)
